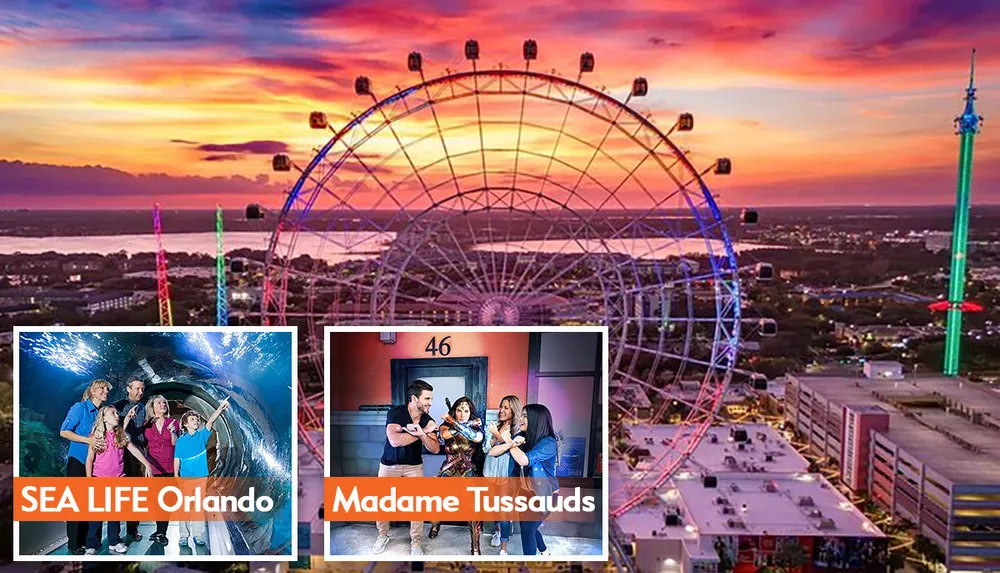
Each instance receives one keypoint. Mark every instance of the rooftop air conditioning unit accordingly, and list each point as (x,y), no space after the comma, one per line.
(826,524)
(734,523)
(728,511)
(806,501)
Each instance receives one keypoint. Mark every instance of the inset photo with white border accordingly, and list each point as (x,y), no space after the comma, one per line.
(173,402)
(487,379)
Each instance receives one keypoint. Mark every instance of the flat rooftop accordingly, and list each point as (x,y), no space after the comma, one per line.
(647,521)
(974,457)
(978,397)
(778,512)
(716,454)
(951,443)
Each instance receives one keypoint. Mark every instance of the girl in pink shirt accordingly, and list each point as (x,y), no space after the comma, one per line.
(106,459)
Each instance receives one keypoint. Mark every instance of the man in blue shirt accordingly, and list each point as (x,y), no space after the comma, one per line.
(191,461)
(133,467)
(76,428)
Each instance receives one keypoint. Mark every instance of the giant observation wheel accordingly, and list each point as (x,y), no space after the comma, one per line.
(508,196)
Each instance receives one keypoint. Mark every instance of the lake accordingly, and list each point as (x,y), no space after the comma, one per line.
(340,246)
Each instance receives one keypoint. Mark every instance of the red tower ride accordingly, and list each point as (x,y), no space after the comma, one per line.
(162,285)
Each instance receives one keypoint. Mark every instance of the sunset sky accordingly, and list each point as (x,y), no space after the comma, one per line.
(835,102)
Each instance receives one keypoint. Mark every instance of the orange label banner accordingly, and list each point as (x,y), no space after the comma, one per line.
(141,499)
(454,499)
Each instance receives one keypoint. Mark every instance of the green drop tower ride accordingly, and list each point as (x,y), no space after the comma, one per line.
(967,126)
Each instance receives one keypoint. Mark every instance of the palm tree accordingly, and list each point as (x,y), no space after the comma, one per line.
(928,550)
(790,555)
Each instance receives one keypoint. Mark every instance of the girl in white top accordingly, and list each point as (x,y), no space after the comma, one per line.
(498,458)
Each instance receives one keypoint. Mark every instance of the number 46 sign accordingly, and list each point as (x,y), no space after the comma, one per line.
(434,347)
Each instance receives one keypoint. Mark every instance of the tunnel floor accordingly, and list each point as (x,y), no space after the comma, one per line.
(357,539)
(147,547)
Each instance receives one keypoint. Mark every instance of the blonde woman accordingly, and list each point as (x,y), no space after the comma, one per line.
(498,459)
(106,458)
(76,428)
(161,436)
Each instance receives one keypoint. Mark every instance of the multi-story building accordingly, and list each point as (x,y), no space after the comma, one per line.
(87,301)
(925,449)
(741,500)
(94,302)
(890,335)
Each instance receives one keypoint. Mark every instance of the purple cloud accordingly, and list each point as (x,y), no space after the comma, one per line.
(257,147)
(130,39)
(660,41)
(41,181)
(221,157)
(298,63)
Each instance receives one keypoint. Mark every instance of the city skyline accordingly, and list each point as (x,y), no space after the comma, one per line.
(847,103)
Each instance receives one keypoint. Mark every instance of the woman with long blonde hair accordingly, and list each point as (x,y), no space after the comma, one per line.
(76,429)
(498,459)
(161,433)
(106,458)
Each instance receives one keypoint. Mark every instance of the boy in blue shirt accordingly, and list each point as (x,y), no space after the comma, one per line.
(191,461)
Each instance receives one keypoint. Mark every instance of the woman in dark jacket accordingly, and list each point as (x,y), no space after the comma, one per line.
(533,455)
